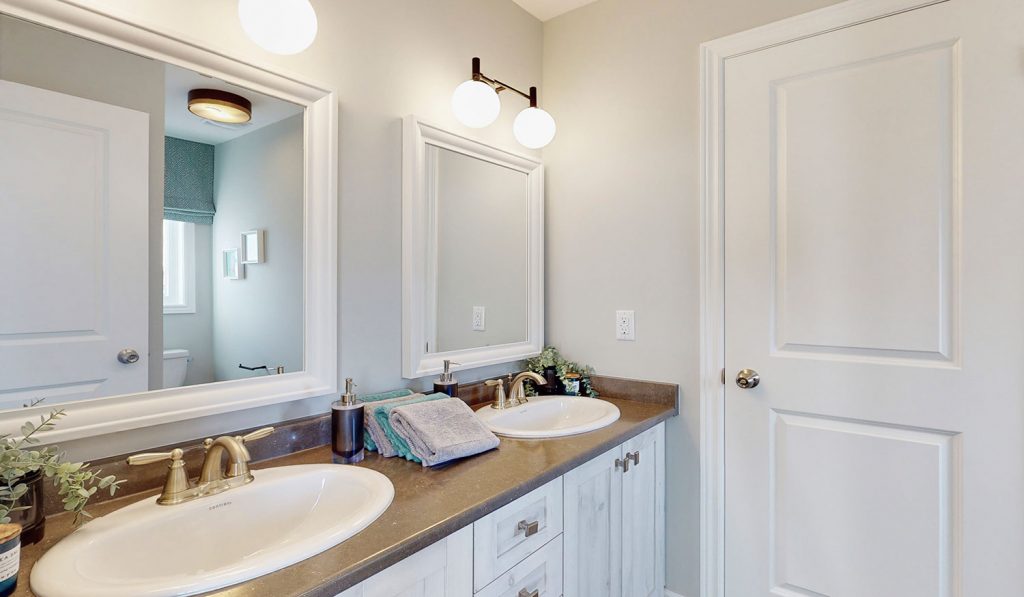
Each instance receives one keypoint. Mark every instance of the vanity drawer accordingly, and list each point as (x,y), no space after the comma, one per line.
(540,572)
(508,535)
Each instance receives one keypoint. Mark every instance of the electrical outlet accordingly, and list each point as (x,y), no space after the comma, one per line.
(625,328)
(479,319)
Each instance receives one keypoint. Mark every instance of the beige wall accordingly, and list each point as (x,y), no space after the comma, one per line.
(621,79)
(385,60)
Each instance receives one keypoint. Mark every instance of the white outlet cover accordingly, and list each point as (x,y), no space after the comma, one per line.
(625,325)
(479,319)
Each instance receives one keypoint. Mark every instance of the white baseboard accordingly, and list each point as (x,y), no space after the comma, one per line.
(671,594)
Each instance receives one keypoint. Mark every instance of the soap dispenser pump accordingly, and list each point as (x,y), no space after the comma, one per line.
(446,384)
(347,427)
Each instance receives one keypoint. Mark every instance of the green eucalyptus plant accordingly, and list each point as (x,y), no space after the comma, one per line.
(550,357)
(74,481)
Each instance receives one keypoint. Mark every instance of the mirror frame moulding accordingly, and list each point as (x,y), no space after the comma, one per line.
(417,217)
(111,414)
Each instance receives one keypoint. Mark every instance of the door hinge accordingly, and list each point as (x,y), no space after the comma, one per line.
(723,377)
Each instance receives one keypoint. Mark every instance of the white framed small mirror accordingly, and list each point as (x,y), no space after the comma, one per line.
(472,252)
(96,336)
(252,247)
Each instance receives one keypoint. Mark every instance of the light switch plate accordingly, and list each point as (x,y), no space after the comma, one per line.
(479,319)
(625,325)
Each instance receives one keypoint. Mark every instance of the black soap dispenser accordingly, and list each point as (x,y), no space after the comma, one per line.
(347,427)
(446,384)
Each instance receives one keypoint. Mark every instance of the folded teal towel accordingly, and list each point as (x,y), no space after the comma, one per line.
(371,432)
(382,416)
(385,395)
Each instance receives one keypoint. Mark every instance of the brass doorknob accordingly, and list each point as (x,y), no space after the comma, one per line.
(747,379)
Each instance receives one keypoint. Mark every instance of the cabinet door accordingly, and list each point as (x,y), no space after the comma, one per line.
(445,568)
(643,515)
(593,528)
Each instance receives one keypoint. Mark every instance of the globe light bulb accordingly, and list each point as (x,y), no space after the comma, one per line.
(279,26)
(475,104)
(534,128)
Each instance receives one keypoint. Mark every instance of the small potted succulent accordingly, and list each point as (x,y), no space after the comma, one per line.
(564,376)
(23,467)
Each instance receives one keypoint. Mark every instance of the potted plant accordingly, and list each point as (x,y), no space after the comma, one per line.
(564,376)
(24,466)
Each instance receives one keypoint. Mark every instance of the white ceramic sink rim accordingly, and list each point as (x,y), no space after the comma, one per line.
(218,540)
(550,416)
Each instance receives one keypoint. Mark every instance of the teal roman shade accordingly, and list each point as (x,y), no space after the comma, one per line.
(188,181)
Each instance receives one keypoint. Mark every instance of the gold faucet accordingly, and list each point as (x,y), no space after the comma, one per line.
(214,478)
(516,392)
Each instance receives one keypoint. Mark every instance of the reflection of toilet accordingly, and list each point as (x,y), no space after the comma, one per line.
(175,367)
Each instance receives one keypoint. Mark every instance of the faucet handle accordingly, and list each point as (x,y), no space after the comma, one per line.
(258,434)
(176,486)
(174,455)
(499,392)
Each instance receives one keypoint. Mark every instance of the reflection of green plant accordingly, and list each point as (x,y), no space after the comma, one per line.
(74,482)
(550,357)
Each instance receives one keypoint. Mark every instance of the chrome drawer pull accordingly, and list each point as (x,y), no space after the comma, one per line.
(530,528)
(623,464)
(635,456)
(525,593)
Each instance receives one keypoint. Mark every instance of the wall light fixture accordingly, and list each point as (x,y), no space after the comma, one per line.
(476,104)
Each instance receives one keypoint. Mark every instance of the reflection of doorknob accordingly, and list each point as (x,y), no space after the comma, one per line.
(748,378)
(128,356)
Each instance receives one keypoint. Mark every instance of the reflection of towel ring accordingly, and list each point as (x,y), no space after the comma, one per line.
(279,370)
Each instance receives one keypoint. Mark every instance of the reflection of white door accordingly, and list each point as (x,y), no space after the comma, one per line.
(73,246)
(874,277)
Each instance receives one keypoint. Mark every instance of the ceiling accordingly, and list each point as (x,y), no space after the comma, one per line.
(549,9)
(182,124)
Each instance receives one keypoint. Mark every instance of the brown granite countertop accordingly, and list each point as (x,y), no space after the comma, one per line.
(429,504)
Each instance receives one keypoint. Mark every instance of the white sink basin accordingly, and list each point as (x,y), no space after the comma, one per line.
(550,416)
(285,515)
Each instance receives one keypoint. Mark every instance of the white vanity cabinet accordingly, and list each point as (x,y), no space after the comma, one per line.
(614,540)
(597,531)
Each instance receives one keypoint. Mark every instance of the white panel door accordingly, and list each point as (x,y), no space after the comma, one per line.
(593,527)
(874,277)
(73,246)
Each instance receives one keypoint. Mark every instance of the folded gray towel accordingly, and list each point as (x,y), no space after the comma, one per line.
(441,430)
(373,430)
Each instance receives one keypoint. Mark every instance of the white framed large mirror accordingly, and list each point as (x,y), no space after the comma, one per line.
(132,164)
(472,252)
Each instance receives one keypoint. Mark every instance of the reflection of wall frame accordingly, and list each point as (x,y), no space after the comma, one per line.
(233,269)
(252,246)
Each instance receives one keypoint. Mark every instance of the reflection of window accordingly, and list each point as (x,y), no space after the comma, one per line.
(179,267)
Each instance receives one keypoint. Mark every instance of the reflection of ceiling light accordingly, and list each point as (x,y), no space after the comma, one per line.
(219,106)
(279,26)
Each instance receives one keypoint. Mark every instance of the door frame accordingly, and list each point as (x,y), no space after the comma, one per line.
(713,55)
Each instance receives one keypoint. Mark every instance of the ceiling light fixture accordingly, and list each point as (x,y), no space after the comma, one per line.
(219,106)
(279,26)
(476,104)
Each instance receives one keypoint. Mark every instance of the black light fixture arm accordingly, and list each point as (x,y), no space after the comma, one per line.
(500,86)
